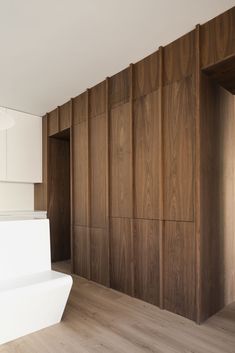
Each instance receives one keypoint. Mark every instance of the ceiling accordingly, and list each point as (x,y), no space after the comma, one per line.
(52,50)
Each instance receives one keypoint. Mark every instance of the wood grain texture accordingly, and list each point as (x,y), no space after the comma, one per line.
(80,108)
(147,157)
(146,260)
(120,161)
(119,88)
(81,251)
(97,100)
(40,190)
(53,122)
(80,174)
(99,240)
(217,197)
(65,116)
(59,198)
(121,274)
(97,145)
(179,58)
(146,76)
(178,142)
(179,268)
(218,38)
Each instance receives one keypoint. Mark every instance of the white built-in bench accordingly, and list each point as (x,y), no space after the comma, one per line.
(32,296)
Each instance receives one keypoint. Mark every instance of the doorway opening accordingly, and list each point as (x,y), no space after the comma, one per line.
(59,196)
(218,184)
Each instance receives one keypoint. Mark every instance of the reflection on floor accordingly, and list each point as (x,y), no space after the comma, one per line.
(98,319)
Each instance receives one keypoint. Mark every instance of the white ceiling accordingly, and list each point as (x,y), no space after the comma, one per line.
(52,50)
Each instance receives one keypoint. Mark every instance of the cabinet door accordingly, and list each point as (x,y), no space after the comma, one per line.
(3,154)
(24,149)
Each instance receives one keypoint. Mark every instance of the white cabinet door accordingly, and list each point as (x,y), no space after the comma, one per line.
(24,148)
(3,155)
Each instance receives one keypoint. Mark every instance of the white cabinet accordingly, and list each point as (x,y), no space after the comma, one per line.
(3,155)
(22,149)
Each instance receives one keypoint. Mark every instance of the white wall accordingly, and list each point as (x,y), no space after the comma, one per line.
(16,196)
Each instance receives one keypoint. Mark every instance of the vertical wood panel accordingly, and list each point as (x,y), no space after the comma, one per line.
(82,251)
(99,239)
(218,38)
(146,76)
(179,268)
(179,115)
(80,108)
(65,116)
(119,88)
(98,171)
(146,259)
(97,100)
(147,157)
(80,161)
(53,122)
(121,255)
(121,161)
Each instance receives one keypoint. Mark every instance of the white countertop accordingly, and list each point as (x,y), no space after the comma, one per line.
(27,214)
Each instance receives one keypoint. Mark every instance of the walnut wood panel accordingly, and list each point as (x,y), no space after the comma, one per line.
(121,161)
(97,100)
(179,58)
(119,88)
(65,116)
(80,174)
(178,147)
(147,156)
(98,171)
(179,268)
(146,260)
(81,251)
(217,197)
(99,239)
(224,74)
(53,122)
(59,198)
(40,190)
(146,75)
(80,108)
(121,262)
(218,38)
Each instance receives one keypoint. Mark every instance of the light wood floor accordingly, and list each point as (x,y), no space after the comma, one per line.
(98,319)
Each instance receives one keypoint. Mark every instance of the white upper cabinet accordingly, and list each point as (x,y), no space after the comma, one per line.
(3,155)
(23,149)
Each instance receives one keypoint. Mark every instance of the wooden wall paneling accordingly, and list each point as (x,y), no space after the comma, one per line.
(99,248)
(53,122)
(179,113)
(146,260)
(197,185)
(179,268)
(147,156)
(179,58)
(161,178)
(146,76)
(59,198)
(71,185)
(80,108)
(218,38)
(119,88)
(97,100)
(106,242)
(121,161)
(121,273)
(40,190)
(65,116)
(80,171)
(97,170)
(82,251)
